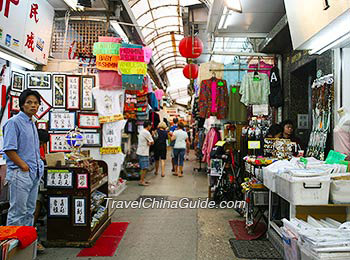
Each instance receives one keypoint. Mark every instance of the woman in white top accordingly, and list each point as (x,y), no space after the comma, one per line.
(181,140)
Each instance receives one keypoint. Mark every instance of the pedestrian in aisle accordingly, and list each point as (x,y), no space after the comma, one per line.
(145,140)
(172,143)
(24,166)
(160,147)
(181,140)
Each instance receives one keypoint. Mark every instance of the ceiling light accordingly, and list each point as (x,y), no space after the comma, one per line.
(234,5)
(17,61)
(331,45)
(223,18)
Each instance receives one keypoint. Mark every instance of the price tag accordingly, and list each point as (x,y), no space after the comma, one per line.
(253,144)
(111,150)
(220,143)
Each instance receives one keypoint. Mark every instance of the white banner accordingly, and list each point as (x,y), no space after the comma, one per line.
(26,28)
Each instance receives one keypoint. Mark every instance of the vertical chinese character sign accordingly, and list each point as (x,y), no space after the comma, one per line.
(26,27)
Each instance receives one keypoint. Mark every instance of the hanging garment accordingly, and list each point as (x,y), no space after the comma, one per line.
(210,140)
(263,65)
(159,94)
(213,98)
(255,92)
(152,100)
(276,95)
(205,73)
(237,111)
(155,119)
(109,102)
(112,133)
(109,80)
(130,127)
(232,76)
(342,139)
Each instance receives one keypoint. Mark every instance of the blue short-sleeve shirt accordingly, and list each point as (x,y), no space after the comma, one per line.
(20,135)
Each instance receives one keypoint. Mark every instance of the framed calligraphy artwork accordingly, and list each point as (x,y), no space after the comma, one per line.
(88,120)
(15,103)
(59,179)
(43,108)
(58,143)
(93,139)
(73,93)
(59,91)
(62,120)
(58,206)
(82,181)
(79,205)
(39,80)
(87,100)
(17,81)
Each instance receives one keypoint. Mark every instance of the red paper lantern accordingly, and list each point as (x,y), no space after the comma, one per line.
(191,49)
(190,71)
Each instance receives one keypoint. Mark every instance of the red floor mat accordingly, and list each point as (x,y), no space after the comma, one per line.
(238,228)
(108,242)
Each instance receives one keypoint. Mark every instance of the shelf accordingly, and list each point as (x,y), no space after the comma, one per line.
(99,184)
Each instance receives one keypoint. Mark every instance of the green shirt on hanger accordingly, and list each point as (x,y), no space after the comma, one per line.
(237,110)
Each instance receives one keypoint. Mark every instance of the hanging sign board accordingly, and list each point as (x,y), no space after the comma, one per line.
(253,144)
(107,62)
(106,48)
(132,54)
(130,67)
(109,119)
(26,28)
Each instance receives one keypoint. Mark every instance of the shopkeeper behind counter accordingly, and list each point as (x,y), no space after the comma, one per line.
(288,133)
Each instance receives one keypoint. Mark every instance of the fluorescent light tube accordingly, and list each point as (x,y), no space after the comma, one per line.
(330,46)
(17,61)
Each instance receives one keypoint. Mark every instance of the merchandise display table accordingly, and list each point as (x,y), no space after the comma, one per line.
(77,212)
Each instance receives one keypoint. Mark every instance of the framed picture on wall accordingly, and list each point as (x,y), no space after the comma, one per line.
(82,181)
(79,209)
(17,81)
(59,179)
(58,206)
(88,120)
(62,121)
(15,103)
(92,139)
(87,100)
(58,143)
(59,91)
(42,125)
(43,108)
(73,92)
(39,80)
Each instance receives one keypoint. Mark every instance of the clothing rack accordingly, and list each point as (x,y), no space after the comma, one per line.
(242,69)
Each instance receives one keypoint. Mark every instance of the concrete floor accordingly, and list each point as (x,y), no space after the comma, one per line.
(168,234)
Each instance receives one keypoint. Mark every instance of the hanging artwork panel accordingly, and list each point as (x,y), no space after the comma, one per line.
(79,205)
(59,91)
(58,206)
(59,179)
(39,80)
(92,139)
(43,108)
(17,81)
(15,103)
(58,143)
(87,100)
(82,181)
(62,120)
(42,125)
(88,120)
(73,93)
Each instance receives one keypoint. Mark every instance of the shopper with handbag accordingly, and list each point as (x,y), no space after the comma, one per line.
(160,146)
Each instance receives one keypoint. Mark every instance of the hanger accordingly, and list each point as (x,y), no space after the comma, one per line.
(213,75)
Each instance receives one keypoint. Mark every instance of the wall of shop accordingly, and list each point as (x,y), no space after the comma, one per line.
(299,71)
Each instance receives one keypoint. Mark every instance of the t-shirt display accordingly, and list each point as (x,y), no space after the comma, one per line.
(237,111)
(109,102)
(276,95)
(255,89)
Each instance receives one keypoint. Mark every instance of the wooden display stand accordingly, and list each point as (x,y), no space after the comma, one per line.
(67,230)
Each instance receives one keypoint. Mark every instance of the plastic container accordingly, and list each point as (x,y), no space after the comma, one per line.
(269,179)
(290,246)
(307,254)
(340,191)
(303,190)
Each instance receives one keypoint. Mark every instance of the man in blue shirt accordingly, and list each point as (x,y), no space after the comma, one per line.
(24,166)
(172,143)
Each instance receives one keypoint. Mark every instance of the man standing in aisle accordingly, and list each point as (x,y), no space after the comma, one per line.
(24,166)
(145,140)
(172,143)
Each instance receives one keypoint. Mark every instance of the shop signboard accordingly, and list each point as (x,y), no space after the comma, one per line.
(26,28)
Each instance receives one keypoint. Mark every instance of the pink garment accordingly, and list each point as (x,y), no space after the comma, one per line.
(214,107)
(109,39)
(263,65)
(159,94)
(109,80)
(209,142)
(342,140)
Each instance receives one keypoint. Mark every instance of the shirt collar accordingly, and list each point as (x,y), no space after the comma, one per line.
(24,116)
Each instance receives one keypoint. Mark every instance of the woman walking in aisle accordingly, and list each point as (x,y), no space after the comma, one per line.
(160,147)
(181,140)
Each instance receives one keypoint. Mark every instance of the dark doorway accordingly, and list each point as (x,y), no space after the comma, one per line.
(300,84)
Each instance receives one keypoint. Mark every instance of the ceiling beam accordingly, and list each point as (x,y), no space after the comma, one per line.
(222,33)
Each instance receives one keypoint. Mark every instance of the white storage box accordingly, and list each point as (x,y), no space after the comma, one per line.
(307,254)
(340,191)
(303,190)
(269,179)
